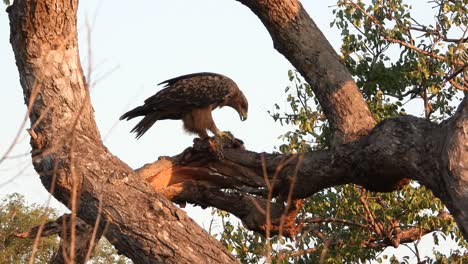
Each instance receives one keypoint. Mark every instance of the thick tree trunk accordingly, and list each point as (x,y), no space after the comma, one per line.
(452,184)
(68,151)
(72,162)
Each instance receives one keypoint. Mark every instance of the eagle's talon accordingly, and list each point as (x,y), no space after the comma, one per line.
(225,135)
(212,144)
(216,148)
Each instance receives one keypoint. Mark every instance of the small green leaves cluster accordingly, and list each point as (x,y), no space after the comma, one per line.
(248,246)
(17,216)
(387,49)
(304,115)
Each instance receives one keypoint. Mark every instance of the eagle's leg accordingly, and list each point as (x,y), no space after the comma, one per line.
(202,134)
(197,121)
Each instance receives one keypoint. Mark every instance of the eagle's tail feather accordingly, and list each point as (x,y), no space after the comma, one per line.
(138,111)
(145,124)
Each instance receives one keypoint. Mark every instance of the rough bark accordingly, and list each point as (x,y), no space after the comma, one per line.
(72,162)
(68,152)
(451,185)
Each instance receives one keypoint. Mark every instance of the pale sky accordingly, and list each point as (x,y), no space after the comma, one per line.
(143,43)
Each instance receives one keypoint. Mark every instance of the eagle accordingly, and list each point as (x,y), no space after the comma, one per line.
(190,98)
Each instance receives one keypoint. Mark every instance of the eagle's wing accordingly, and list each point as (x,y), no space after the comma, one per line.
(187,92)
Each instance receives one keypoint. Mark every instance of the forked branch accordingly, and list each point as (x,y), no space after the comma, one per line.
(239,181)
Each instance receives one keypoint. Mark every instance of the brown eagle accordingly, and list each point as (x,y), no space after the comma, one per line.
(190,98)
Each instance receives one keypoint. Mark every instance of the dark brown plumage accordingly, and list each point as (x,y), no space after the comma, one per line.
(190,98)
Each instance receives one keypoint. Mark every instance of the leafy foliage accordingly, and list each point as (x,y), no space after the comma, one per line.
(388,51)
(246,245)
(105,253)
(394,59)
(310,129)
(16,216)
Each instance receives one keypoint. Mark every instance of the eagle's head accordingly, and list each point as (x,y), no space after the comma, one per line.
(241,105)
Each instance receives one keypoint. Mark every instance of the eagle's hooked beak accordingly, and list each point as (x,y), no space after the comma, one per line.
(243,115)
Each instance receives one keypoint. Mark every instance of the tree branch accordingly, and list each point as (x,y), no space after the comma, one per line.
(235,182)
(84,241)
(296,36)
